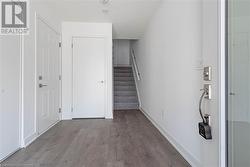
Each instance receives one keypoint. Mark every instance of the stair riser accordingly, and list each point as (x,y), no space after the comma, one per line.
(123,71)
(124,88)
(125,93)
(124,98)
(124,79)
(126,101)
(125,84)
(123,68)
(126,106)
(123,75)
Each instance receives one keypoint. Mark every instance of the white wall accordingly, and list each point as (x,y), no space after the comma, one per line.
(29,71)
(69,30)
(10,58)
(121,52)
(170,61)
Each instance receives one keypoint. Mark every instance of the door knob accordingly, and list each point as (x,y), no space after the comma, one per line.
(42,85)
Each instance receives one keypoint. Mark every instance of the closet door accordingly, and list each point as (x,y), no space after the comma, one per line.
(89,77)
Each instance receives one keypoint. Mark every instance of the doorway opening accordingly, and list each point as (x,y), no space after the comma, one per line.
(125,76)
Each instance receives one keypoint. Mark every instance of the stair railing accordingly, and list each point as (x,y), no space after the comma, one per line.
(135,65)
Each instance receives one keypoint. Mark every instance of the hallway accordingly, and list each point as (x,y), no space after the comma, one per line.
(157,63)
(130,140)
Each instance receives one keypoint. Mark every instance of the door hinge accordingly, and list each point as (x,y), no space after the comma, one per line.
(60,44)
(60,110)
(60,77)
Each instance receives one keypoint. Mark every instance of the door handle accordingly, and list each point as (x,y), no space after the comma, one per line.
(42,85)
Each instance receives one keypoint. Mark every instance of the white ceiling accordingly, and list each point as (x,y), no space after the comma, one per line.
(129,17)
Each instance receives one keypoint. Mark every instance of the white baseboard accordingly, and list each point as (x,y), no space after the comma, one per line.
(30,139)
(188,157)
(3,159)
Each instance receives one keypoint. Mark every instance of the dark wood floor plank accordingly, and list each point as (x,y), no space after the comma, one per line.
(130,140)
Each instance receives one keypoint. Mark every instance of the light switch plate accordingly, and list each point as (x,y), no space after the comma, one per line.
(207,74)
(208,88)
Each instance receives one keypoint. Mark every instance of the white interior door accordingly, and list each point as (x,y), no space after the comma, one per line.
(88,77)
(48,72)
(9,95)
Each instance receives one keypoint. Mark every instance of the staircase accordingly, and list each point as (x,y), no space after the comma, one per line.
(125,94)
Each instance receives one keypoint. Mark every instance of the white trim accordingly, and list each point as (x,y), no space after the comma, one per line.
(61,78)
(189,158)
(222,82)
(31,138)
(35,105)
(21,101)
(28,140)
(9,155)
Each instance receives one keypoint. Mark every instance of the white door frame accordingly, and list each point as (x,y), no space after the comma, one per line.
(21,103)
(222,81)
(105,78)
(38,17)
